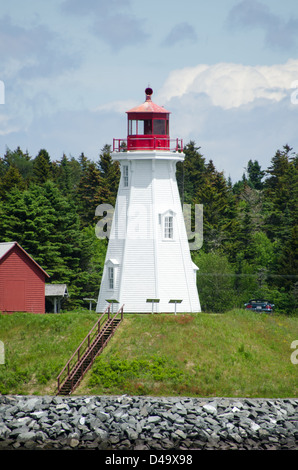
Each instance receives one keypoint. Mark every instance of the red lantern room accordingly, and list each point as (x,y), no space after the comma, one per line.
(148,128)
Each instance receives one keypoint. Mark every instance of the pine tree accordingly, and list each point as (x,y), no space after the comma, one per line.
(190,173)
(217,199)
(87,194)
(20,160)
(63,177)
(255,174)
(11,179)
(110,176)
(45,224)
(281,194)
(83,162)
(92,260)
(42,167)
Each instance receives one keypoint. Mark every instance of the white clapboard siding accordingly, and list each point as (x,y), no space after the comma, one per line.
(146,265)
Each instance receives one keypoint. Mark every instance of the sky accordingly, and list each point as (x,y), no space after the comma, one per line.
(226,69)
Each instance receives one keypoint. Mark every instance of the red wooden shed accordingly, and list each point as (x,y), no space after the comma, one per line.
(22,281)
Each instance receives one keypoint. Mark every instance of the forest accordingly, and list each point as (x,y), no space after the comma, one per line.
(249,227)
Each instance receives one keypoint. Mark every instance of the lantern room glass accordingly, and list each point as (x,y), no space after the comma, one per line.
(148,127)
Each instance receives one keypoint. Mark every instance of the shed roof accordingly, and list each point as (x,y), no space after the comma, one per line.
(5,247)
(56,290)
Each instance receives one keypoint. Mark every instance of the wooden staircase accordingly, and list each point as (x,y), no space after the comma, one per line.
(84,356)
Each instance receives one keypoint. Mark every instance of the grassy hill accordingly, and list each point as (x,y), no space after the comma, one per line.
(234,354)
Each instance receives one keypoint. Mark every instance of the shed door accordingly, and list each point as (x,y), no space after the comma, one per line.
(14,296)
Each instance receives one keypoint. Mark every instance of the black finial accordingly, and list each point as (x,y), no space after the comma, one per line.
(148,92)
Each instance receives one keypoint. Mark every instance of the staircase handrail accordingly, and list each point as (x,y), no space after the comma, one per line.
(119,311)
(78,351)
(90,349)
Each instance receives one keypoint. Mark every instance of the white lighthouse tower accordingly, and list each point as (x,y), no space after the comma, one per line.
(148,266)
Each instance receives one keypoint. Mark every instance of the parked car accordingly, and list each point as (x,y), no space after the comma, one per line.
(260,305)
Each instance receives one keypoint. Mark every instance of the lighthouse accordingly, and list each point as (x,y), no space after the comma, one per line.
(148,266)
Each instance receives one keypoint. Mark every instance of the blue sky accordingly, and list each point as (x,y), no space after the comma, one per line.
(226,69)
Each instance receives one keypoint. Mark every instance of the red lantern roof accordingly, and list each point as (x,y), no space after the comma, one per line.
(148,106)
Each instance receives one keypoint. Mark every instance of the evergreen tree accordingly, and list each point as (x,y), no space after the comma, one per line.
(217,199)
(45,224)
(110,176)
(42,167)
(64,177)
(279,165)
(2,168)
(83,162)
(255,174)
(190,173)
(11,179)
(87,194)
(281,194)
(20,160)
(92,260)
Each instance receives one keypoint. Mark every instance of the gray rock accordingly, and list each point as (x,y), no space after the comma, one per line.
(31,404)
(26,436)
(154,419)
(132,434)
(101,434)
(210,409)
(102,415)
(147,423)
(74,442)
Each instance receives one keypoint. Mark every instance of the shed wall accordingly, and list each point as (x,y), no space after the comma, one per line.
(22,284)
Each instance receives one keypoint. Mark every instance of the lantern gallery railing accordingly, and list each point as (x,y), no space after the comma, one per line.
(147,143)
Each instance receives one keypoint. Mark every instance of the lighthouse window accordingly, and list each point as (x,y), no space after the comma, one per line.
(140,127)
(147,127)
(111,278)
(159,127)
(125,176)
(168,227)
(132,127)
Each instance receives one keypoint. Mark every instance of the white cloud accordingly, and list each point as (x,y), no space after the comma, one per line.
(229,85)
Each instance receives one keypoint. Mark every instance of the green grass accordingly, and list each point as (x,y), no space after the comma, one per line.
(37,347)
(236,354)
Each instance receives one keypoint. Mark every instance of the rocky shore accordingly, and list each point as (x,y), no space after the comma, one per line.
(146,423)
